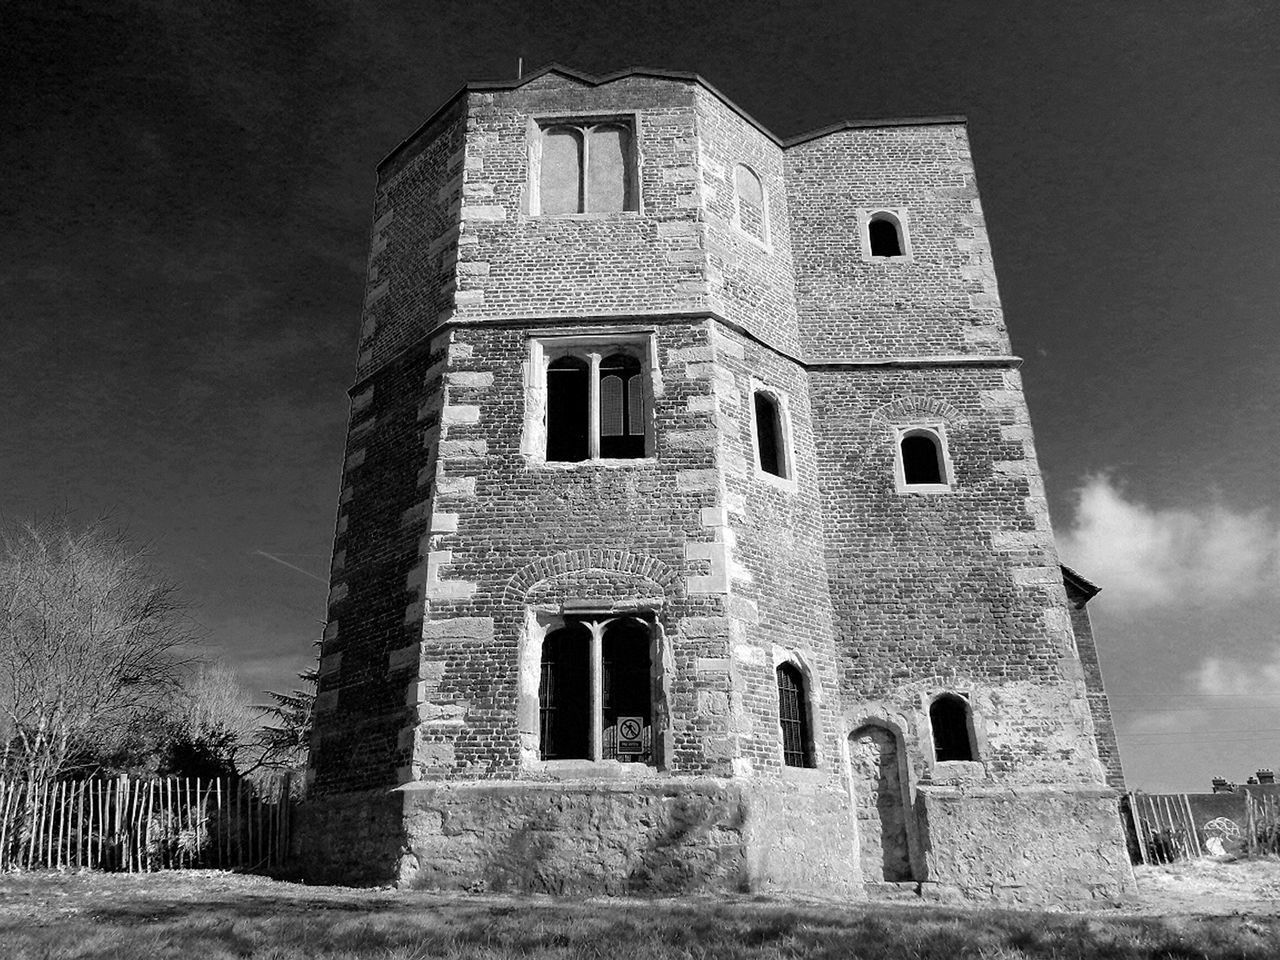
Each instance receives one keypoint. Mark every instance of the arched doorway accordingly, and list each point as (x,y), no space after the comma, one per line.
(880,802)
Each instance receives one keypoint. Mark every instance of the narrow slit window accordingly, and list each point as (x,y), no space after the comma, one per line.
(769,435)
(793,715)
(568,409)
(921,459)
(884,234)
(950,722)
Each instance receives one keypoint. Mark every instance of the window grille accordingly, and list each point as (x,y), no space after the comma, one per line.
(563,701)
(793,715)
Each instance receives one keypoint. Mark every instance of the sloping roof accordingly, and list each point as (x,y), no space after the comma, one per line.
(685,77)
(1087,588)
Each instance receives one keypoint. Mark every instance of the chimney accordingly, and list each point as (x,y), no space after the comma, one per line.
(1266,776)
(1220,785)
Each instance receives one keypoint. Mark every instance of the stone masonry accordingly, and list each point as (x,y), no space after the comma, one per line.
(461,548)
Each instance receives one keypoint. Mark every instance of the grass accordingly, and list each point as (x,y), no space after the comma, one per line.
(210,916)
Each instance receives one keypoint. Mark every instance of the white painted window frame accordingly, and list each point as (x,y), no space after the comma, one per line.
(780,399)
(899,217)
(592,347)
(938,432)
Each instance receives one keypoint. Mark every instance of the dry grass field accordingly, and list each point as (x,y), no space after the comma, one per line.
(1185,911)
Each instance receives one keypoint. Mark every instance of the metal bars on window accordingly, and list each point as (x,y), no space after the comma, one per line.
(793,715)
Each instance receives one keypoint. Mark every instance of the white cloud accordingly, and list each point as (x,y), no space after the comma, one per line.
(1144,557)
(1224,676)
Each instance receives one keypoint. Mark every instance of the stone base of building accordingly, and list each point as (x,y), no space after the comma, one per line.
(1026,845)
(660,836)
(1023,845)
(351,838)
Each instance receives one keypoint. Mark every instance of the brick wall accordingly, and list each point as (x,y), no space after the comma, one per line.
(943,299)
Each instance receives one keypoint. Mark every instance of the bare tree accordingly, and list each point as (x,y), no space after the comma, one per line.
(89,636)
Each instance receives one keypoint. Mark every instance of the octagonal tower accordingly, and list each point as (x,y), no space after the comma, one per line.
(691,534)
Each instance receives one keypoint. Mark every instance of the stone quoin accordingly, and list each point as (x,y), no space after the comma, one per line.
(691,534)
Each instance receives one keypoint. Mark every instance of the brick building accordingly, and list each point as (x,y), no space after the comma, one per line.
(691,532)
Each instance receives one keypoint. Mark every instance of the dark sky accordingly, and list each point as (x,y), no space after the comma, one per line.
(185,199)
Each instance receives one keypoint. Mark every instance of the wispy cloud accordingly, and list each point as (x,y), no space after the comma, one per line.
(1228,677)
(1145,556)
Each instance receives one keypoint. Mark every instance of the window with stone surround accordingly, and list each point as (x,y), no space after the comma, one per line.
(884,234)
(589,399)
(793,716)
(922,463)
(770,427)
(595,692)
(750,211)
(951,724)
(584,166)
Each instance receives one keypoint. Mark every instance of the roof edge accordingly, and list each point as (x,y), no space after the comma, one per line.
(684,75)
(1083,584)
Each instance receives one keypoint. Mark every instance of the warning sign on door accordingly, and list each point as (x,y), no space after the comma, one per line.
(630,734)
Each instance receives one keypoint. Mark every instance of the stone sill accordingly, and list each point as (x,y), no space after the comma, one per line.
(602,215)
(607,463)
(592,770)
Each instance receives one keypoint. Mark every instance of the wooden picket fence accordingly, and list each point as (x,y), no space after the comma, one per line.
(143,824)
(1165,828)
(1262,825)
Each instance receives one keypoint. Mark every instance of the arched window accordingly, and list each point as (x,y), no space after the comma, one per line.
(568,409)
(610,657)
(586,168)
(793,715)
(626,692)
(752,214)
(771,447)
(884,234)
(949,719)
(921,458)
(560,188)
(621,407)
(564,712)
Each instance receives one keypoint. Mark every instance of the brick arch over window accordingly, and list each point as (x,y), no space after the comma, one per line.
(913,409)
(902,411)
(594,559)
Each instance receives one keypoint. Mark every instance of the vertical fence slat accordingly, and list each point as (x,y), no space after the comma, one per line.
(4,824)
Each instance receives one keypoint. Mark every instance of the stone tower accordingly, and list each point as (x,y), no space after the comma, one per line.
(691,531)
